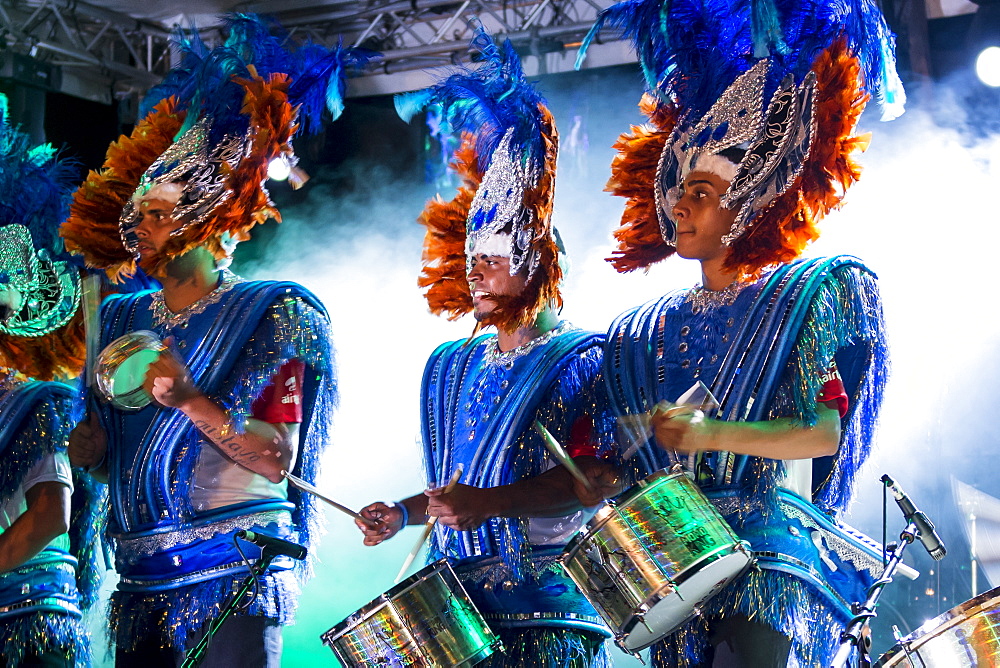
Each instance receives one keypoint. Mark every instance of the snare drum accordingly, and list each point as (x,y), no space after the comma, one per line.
(967,635)
(650,558)
(427,621)
(121,369)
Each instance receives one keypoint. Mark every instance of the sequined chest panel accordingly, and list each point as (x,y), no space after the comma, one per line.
(692,337)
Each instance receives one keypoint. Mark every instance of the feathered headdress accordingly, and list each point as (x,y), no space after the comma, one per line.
(507,163)
(210,131)
(766,94)
(41,332)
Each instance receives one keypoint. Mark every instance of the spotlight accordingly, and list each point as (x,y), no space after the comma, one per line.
(988,66)
(279,168)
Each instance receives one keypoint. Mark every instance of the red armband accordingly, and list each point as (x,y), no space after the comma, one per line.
(281,401)
(581,441)
(832,394)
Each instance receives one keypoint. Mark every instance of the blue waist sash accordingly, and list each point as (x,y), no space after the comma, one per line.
(46,583)
(545,597)
(838,562)
(160,560)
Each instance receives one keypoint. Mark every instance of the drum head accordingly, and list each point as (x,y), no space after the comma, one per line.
(967,636)
(678,604)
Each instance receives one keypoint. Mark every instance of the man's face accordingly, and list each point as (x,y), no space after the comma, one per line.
(156,222)
(701,219)
(490,274)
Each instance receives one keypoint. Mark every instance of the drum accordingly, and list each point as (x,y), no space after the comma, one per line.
(426,620)
(121,368)
(650,558)
(965,636)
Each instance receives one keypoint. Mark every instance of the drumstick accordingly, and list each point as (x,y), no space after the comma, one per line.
(90,304)
(306,487)
(428,527)
(559,452)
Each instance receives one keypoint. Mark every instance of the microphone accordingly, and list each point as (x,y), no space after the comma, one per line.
(274,544)
(925,528)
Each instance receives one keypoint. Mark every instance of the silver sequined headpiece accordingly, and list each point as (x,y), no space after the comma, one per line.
(197,163)
(498,221)
(40,294)
(776,141)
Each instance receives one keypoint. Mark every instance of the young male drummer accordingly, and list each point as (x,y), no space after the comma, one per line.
(742,156)
(242,390)
(505,523)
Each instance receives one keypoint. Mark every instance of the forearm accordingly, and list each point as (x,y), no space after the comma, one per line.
(775,439)
(46,518)
(261,447)
(547,495)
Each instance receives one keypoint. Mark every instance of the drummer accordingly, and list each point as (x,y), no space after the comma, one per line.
(793,349)
(505,523)
(242,389)
(41,352)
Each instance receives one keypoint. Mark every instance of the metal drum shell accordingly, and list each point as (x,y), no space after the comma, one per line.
(405,626)
(685,548)
(966,636)
(113,357)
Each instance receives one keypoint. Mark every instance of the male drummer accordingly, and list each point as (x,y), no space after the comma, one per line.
(504,524)
(794,350)
(41,344)
(241,392)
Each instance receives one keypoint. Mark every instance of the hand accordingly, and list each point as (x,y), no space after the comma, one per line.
(604,478)
(169,381)
(680,428)
(462,509)
(388,519)
(87,443)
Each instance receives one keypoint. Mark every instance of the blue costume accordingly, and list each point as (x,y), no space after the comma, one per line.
(177,559)
(763,351)
(479,406)
(39,602)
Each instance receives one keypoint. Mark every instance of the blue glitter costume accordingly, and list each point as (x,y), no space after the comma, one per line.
(39,602)
(178,564)
(763,352)
(479,405)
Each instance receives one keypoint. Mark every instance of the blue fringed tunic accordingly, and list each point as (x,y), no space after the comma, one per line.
(39,602)
(764,354)
(178,563)
(478,409)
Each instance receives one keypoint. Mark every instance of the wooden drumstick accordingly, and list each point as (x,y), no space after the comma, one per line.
(428,528)
(559,452)
(90,305)
(306,487)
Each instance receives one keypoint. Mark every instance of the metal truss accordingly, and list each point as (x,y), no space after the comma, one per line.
(423,34)
(99,51)
(76,40)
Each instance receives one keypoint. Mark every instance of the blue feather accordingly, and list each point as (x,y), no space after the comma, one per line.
(488,102)
(36,185)
(691,50)
(204,83)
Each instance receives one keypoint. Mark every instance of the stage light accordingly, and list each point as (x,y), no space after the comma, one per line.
(279,169)
(988,66)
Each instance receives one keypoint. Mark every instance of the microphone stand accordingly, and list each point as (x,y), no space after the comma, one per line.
(852,637)
(197,653)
